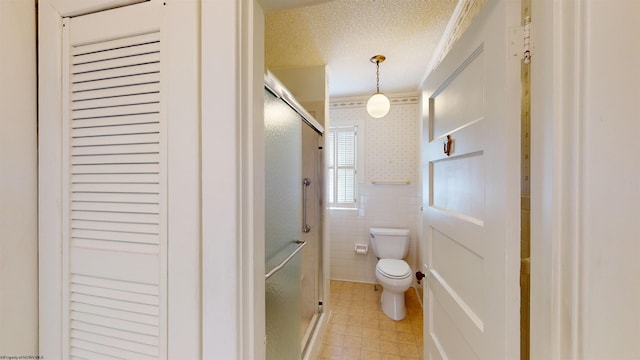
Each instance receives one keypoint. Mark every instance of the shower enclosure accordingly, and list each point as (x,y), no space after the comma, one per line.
(293,249)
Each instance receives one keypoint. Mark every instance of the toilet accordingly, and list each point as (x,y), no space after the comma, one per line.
(392,272)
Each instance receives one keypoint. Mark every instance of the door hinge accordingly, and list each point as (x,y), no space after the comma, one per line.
(520,41)
(526,36)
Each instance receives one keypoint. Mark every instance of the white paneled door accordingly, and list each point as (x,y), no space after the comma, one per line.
(114,186)
(471,210)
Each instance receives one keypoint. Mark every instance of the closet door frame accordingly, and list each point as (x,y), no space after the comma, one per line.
(180,20)
(233,205)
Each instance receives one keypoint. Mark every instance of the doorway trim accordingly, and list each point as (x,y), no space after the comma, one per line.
(556,95)
(183,297)
(49,188)
(232,61)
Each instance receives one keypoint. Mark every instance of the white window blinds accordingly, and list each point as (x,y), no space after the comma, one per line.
(341,177)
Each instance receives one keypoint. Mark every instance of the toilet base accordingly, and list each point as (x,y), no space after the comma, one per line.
(393,305)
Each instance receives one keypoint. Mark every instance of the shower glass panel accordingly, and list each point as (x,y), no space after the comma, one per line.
(311,261)
(283,214)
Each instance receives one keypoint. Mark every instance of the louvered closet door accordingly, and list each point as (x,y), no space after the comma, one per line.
(114,247)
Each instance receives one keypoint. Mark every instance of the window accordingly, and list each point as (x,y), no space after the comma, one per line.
(341,177)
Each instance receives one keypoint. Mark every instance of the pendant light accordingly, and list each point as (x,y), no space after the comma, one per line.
(378,104)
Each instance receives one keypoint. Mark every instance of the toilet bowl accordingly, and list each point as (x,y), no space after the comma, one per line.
(395,276)
(390,246)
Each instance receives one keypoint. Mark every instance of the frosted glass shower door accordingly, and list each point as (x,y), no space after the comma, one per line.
(283,227)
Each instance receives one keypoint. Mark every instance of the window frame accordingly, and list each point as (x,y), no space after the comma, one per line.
(333,183)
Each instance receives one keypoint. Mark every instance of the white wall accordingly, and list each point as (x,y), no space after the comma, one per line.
(585,180)
(610,182)
(18,180)
(390,151)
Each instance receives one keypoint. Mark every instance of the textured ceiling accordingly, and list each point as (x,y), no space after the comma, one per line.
(345,34)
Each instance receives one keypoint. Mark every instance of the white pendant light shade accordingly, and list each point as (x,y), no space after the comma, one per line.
(378,105)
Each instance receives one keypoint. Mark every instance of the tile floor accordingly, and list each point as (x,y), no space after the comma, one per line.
(359,330)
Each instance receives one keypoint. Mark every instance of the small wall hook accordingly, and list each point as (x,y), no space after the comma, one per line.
(448,146)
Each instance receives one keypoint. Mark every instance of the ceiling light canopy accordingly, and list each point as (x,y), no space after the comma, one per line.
(378,105)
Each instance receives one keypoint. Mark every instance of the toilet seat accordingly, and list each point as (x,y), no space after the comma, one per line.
(393,268)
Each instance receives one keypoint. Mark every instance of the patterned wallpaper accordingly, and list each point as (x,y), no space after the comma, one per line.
(392,145)
(390,152)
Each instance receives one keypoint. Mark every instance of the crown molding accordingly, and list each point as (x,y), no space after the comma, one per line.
(361,101)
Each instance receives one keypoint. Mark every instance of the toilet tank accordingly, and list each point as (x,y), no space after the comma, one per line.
(388,243)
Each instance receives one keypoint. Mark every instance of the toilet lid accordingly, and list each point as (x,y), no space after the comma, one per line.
(394,268)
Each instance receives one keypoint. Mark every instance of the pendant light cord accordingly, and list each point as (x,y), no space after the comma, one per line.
(377,76)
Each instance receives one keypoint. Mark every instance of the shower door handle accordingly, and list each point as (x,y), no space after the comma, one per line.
(305,183)
(284,262)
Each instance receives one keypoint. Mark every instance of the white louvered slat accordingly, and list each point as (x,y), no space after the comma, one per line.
(110,125)
(117,149)
(116,343)
(130,267)
(114,178)
(117,188)
(115,159)
(117,169)
(116,73)
(148,138)
(114,313)
(99,91)
(112,226)
(108,350)
(115,323)
(121,43)
(132,172)
(82,354)
(117,198)
(114,101)
(116,217)
(114,212)
(151,239)
(121,200)
(115,294)
(116,63)
(115,333)
(125,130)
(116,207)
(140,75)
(141,47)
(115,284)
(115,304)
(128,107)
(116,111)
(115,246)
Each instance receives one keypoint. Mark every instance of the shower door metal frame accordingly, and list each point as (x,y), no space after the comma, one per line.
(277,89)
